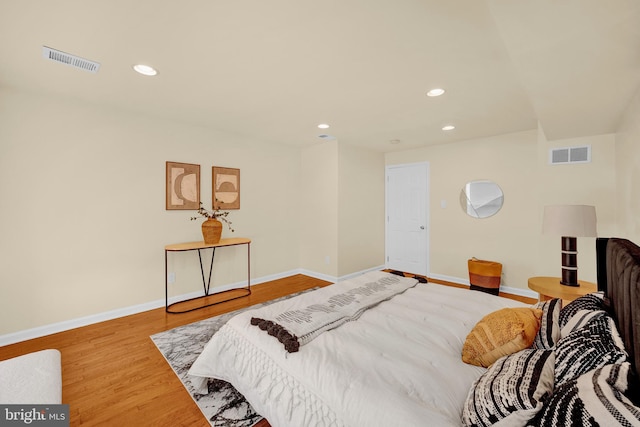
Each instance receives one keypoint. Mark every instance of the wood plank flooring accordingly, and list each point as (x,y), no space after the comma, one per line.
(113,375)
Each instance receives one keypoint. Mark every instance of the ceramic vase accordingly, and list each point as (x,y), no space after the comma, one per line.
(211,231)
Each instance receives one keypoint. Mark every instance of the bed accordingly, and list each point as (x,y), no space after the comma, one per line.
(399,362)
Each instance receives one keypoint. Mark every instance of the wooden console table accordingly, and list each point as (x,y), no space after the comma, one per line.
(206,284)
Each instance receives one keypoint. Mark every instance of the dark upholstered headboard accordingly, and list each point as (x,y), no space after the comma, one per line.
(619,278)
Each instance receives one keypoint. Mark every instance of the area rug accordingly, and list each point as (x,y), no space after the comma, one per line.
(224,406)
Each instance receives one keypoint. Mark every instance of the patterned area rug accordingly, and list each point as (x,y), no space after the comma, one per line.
(223,406)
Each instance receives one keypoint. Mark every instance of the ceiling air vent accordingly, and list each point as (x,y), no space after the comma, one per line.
(326,137)
(561,156)
(71,60)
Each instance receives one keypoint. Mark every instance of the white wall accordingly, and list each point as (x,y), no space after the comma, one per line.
(361,209)
(83,219)
(518,163)
(628,173)
(582,184)
(319,209)
(342,209)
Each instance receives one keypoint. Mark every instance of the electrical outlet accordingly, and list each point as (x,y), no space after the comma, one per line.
(327,260)
(171,277)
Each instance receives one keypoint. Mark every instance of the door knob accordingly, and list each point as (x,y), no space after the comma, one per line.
(422,227)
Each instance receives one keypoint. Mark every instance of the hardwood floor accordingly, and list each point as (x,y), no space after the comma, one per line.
(113,375)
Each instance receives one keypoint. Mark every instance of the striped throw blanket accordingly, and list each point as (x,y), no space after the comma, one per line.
(299,320)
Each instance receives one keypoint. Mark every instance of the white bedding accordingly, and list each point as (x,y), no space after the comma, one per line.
(399,364)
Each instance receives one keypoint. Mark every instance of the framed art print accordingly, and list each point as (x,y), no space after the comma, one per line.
(226,188)
(183,186)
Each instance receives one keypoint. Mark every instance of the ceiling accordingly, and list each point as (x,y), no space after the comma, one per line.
(273,70)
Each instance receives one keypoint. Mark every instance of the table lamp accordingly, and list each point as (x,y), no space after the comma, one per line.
(569,221)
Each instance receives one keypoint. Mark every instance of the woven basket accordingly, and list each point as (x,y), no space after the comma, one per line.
(484,275)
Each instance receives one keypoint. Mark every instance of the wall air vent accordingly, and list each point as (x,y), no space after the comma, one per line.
(562,156)
(71,60)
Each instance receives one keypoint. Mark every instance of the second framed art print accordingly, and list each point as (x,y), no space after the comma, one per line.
(226,188)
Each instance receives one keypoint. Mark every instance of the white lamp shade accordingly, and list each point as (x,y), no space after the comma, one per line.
(570,220)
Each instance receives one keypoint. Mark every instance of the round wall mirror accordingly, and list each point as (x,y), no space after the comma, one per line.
(481,198)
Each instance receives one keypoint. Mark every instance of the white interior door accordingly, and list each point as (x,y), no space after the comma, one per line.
(407,237)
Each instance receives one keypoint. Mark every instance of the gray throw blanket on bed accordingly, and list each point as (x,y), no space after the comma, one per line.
(302,319)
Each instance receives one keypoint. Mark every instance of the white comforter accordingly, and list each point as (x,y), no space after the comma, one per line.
(399,364)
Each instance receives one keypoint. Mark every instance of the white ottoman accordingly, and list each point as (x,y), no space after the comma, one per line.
(34,378)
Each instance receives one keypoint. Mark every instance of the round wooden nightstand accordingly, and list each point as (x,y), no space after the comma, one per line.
(550,287)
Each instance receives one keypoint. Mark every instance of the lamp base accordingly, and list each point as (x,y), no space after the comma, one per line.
(569,278)
(569,262)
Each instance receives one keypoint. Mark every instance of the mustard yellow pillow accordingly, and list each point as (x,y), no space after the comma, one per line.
(500,333)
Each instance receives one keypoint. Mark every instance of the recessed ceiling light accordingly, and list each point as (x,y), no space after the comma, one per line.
(435,92)
(145,70)
(448,127)
(323,126)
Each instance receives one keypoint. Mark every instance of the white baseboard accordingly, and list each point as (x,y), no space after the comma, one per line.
(126,311)
(506,289)
(335,279)
(135,309)
(520,292)
(352,275)
(451,279)
(316,275)
(53,328)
